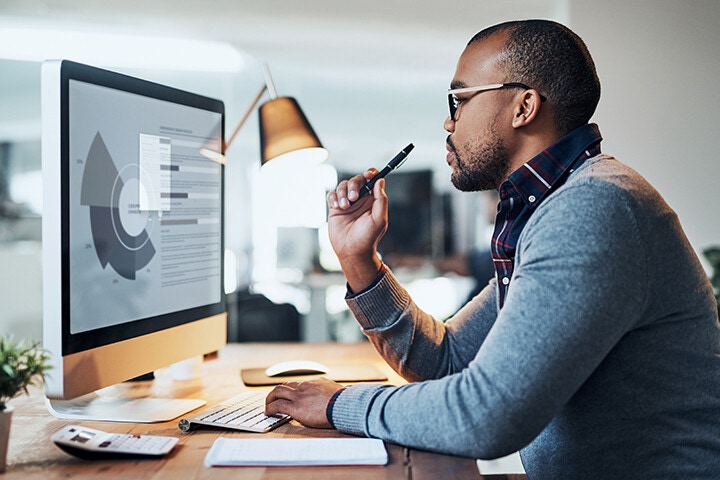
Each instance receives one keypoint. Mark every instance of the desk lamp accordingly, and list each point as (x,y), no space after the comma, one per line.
(285,133)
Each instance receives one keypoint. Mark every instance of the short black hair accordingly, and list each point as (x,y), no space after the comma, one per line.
(555,61)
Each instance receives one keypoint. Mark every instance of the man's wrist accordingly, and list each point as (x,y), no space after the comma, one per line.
(331,405)
(378,276)
(361,271)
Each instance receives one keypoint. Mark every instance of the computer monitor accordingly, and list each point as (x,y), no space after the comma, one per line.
(132,236)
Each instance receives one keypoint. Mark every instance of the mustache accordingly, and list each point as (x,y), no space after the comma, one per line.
(450,143)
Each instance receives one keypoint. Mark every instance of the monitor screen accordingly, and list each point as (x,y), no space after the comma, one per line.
(132,226)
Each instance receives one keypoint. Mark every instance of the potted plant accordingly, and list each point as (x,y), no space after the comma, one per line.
(21,365)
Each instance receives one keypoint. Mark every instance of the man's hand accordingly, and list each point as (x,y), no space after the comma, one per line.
(355,230)
(306,402)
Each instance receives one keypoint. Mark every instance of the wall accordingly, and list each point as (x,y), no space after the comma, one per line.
(659,64)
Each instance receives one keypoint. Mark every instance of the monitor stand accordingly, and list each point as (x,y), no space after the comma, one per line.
(93,407)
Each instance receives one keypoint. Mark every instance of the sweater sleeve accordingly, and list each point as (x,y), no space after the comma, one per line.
(494,380)
(415,344)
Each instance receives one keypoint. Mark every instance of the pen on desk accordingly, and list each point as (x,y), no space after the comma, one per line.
(392,165)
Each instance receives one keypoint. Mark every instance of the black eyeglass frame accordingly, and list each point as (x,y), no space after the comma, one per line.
(454,102)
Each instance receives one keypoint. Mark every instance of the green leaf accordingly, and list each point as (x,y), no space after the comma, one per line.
(22,364)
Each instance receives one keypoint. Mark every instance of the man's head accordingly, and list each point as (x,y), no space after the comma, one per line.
(556,62)
(551,88)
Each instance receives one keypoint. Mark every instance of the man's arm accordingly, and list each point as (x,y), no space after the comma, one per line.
(414,343)
(574,295)
(355,232)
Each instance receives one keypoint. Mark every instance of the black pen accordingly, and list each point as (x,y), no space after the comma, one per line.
(392,165)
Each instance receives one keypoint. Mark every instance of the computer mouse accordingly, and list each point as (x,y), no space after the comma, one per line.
(296,367)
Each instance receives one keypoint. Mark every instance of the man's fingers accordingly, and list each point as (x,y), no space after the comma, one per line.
(306,402)
(349,190)
(280,398)
(279,405)
(282,391)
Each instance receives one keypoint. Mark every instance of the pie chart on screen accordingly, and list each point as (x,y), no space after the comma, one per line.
(120,230)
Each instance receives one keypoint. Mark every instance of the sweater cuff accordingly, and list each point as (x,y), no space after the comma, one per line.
(351,407)
(382,303)
(331,406)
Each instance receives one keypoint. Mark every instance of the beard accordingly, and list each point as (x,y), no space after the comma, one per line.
(482,166)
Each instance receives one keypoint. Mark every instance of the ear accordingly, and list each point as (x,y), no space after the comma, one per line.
(526,109)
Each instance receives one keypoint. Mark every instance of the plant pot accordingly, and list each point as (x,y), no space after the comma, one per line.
(5,418)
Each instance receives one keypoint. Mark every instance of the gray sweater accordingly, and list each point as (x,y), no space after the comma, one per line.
(604,362)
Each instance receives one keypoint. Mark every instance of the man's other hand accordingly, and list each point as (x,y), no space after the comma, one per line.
(306,402)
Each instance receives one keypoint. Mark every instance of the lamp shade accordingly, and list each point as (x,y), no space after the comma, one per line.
(285,130)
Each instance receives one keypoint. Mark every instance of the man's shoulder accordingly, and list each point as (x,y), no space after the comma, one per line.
(604,179)
(605,169)
(603,192)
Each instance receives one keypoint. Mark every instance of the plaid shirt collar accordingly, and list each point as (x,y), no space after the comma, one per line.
(527,187)
(536,178)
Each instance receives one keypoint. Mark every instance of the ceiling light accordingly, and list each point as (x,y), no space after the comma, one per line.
(118,50)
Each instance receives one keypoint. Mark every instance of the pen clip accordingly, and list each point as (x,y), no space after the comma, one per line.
(400,163)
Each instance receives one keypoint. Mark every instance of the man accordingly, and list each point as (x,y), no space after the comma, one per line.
(595,351)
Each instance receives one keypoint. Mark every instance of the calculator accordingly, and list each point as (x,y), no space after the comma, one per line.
(91,444)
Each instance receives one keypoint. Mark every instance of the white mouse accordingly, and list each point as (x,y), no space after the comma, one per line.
(296,367)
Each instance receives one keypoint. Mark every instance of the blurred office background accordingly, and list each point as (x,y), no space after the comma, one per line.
(371,77)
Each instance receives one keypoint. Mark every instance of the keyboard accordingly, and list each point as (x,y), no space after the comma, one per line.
(245,411)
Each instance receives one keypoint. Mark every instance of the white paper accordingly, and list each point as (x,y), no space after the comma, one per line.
(296,451)
(500,466)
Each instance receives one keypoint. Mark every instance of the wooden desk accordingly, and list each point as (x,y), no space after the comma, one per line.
(32,455)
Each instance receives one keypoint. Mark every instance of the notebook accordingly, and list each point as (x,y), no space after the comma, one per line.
(228,452)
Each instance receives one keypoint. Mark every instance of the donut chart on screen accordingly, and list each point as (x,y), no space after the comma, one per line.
(120,230)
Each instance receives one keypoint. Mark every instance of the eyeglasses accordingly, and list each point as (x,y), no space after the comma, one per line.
(454,102)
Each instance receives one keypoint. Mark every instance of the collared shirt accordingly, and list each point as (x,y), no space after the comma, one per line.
(527,187)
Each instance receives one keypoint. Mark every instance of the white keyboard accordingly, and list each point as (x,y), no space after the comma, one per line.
(245,411)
